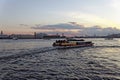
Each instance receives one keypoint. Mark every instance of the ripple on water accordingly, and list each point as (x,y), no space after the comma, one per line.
(72,64)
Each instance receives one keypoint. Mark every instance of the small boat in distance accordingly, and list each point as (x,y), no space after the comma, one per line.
(72,43)
(15,38)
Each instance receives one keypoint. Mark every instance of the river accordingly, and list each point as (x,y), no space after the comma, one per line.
(36,59)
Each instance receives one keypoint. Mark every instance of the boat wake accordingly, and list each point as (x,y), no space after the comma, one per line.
(105,46)
(22,53)
(51,63)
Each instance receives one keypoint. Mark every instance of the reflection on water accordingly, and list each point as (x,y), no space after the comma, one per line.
(109,54)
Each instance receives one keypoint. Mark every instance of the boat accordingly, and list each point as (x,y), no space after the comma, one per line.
(15,38)
(72,43)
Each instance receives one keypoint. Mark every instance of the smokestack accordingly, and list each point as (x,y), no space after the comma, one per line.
(1,32)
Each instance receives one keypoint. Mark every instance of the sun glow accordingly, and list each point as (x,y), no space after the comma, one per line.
(93,20)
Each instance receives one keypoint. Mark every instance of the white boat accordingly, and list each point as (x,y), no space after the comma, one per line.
(15,38)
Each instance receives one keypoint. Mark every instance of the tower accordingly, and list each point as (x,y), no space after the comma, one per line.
(57,34)
(1,32)
(62,34)
(35,36)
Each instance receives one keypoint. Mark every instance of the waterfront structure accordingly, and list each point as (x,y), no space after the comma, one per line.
(3,36)
(35,35)
(1,32)
(22,36)
(40,35)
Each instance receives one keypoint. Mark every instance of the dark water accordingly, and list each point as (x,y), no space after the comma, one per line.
(38,60)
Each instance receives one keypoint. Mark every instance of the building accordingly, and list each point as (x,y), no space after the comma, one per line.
(51,36)
(3,36)
(40,35)
(1,32)
(22,36)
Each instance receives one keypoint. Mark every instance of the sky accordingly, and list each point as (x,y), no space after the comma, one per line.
(18,16)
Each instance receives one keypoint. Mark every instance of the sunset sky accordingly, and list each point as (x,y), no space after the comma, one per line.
(18,16)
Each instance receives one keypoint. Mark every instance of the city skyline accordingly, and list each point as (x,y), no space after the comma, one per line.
(19,16)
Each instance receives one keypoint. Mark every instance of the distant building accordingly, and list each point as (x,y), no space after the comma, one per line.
(46,36)
(114,35)
(1,32)
(3,36)
(40,35)
(63,36)
(51,36)
(35,36)
(22,36)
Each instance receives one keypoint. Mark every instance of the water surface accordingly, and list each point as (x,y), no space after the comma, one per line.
(37,59)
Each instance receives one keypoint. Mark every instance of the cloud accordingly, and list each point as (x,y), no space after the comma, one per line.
(115,4)
(96,30)
(73,28)
(70,25)
(94,18)
(23,25)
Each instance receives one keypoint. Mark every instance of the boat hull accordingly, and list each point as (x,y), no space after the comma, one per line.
(77,46)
